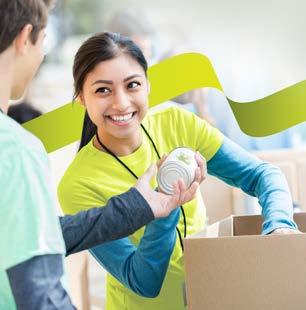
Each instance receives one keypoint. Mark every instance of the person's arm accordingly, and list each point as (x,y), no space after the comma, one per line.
(237,167)
(141,268)
(36,284)
(123,215)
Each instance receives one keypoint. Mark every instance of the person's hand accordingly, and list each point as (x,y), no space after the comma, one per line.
(284,231)
(201,170)
(160,203)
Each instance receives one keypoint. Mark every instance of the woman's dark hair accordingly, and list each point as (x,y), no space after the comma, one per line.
(100,47)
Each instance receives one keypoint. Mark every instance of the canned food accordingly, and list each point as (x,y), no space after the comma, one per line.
(180,164)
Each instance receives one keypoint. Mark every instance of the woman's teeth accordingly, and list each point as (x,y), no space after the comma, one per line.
(121,118)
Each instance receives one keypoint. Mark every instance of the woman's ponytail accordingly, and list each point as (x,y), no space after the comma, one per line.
(88,132)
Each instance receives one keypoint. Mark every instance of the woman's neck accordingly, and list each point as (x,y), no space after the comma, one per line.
(120,147)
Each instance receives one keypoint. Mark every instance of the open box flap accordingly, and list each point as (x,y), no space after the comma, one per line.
(242,225)
(222,228)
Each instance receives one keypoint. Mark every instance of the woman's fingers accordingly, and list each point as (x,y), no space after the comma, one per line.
(284,231)
(198,175)
(161,161)
(201,162)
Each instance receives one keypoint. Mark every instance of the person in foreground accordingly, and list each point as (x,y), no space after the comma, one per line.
(119,141)
(34,240)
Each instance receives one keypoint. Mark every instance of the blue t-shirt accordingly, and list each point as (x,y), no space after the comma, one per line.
(28,222)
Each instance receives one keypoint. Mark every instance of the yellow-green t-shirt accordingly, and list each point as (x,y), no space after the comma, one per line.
(95,176)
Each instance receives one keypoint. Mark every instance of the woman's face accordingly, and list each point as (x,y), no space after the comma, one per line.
(115,95)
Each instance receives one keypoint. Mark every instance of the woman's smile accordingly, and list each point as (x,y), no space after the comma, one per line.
(121,119)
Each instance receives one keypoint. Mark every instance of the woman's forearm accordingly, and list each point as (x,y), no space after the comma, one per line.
(237,167)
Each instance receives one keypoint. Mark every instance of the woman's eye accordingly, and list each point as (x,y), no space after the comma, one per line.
(103,90)
(133,84)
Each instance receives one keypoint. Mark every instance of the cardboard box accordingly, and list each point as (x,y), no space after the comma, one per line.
(232,267)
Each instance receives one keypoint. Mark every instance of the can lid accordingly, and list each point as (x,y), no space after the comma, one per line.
(170,172)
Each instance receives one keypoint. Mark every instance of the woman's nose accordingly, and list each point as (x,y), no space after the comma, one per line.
(121,101)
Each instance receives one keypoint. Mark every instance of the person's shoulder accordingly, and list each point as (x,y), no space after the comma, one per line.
(171,116)
(78,168)
(165,112)
(17,142)
(83,158)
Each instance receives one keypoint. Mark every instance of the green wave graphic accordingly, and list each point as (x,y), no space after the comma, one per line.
(273,113)
(175,76)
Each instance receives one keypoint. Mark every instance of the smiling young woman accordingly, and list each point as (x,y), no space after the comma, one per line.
(115,95)
(119,141)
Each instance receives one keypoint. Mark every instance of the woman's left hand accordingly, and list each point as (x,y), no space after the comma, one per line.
(201,170)
(285,231)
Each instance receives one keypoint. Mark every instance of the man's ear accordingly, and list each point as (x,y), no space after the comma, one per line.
(23,40)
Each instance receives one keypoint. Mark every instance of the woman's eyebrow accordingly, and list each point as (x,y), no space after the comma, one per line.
(102,81)
(131,77)
(111,82)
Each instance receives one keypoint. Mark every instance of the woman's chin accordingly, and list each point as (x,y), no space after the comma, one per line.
(124,132)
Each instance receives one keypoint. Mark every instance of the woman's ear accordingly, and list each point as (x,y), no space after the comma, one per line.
(80,99)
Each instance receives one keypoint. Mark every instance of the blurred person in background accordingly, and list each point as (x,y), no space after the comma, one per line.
(23,112)
(120,139)
(134,23)
(33,239)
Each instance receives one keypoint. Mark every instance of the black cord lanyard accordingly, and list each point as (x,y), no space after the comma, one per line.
(136,177)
